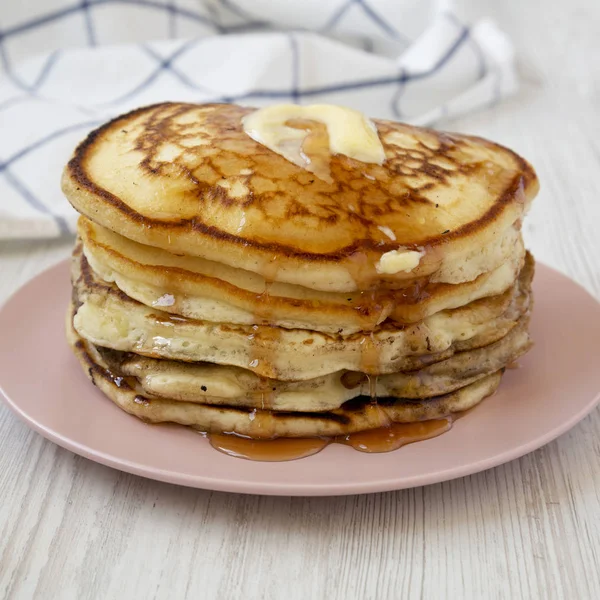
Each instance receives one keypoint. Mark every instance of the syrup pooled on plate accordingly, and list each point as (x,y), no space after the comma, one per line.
(395,435)
(383,439)
(276,450)
(386,438)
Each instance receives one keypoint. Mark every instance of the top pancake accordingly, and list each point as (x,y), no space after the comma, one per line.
(187,178)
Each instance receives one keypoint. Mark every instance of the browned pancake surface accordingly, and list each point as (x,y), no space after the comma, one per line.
(188,179)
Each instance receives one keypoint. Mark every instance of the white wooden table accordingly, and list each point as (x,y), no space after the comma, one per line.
(70,528)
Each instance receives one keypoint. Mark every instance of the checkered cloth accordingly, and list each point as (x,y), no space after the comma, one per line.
(68,65)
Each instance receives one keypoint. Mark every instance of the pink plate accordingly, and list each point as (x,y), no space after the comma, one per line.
(557,386)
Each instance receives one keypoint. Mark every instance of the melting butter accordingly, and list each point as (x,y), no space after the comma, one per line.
(397,261)
(350,132)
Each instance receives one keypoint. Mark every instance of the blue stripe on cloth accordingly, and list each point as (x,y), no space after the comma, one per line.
(337,16)
(307,93)
(183,78)
(42,20)
(370,13)
(382,23)
(240,12)
(295,94)
(350,86)
(89,23)
(170,8)
(295,68)
(213,11)
(12,101)
(59,14)
(42,141)
(368,45)
(43,75)
(463,37)
(164,65)
(396,97)
(176,72)
(6,65)
(35,203)
(482,65)
(172,19)
(453,18)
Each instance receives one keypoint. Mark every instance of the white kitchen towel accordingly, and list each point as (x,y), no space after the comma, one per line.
(68,65)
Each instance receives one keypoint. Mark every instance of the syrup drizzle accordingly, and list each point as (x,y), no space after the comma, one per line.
(314,153)
(279,449)
(264,338)
(388,436)
(383,439)
(396,435)
(369,363)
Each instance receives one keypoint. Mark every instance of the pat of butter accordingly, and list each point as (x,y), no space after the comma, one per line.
(350,132)
(398,261)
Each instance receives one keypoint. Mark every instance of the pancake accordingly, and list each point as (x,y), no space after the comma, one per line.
(208,291)
(356,415)
(205,383)
(109,318)
(186,178)
(329,280)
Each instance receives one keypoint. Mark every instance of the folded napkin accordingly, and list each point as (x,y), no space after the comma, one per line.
(66,66)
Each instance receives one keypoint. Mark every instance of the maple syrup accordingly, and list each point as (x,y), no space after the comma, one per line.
(264,339)
(314,152)
(395,435)
(383,439)
(362,269)
(276,450)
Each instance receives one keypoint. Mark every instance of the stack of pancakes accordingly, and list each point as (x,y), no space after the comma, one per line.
(218,285)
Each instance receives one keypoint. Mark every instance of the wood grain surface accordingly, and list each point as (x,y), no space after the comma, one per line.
(70,528)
